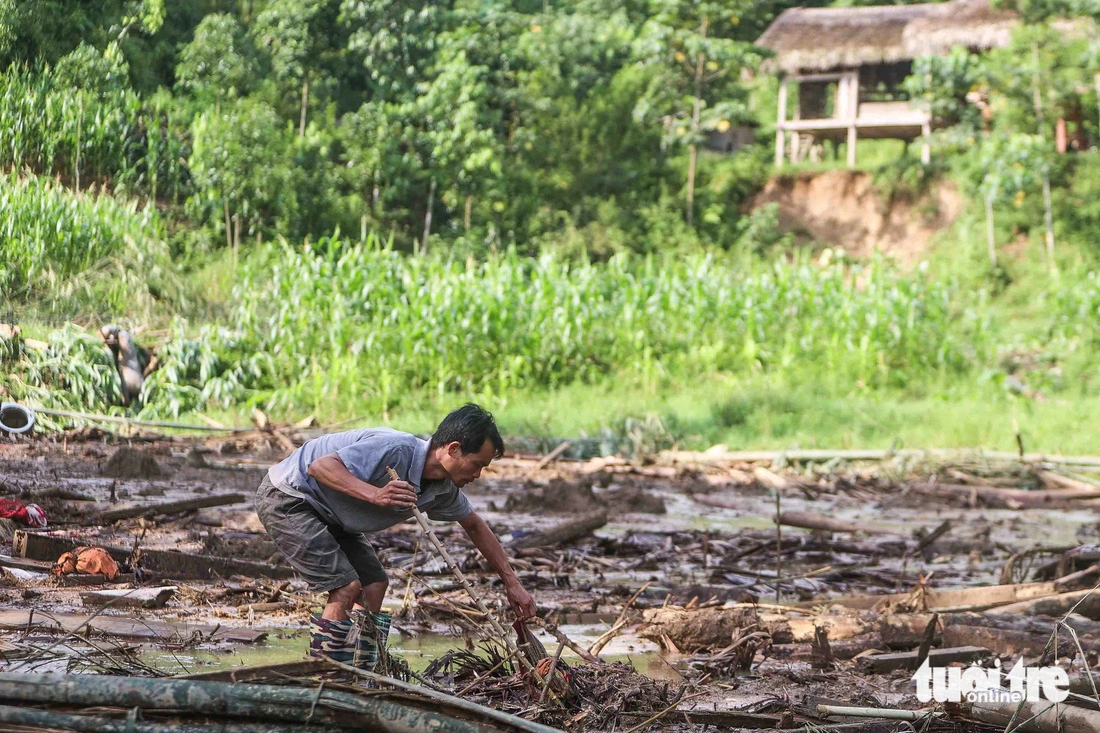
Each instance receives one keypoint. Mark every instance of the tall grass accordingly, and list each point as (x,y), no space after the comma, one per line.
(338,328)
(341,321)
(109,136)
(68,252)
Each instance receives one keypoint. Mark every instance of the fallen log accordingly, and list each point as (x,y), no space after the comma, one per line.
(1006,635)
(563,533)
(124,627)
(882,663)
(165,563)
(415,712)
(1053,480)
(278,672)
(713,628)
(810,520)
(129,598)
(173,507)
(1036,717)
(1084,602)
(994,496)
(947,599)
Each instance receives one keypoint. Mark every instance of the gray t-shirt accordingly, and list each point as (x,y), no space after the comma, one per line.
(366,454)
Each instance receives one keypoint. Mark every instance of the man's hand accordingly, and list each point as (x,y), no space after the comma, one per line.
(523,605)
(397,493)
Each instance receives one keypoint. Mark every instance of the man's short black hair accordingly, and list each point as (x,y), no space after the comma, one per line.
(470,425)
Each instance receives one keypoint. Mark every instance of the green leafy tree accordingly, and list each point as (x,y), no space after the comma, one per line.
(940,85)
(699,62)
(240,163)
(395,41)
(306,47)
(220,62)
(88,69)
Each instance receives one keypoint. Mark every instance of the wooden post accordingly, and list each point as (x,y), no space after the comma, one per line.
(696,110)
(990,237)
(428,218)
(781,117)
(849,84)
(305,101)
(925,148)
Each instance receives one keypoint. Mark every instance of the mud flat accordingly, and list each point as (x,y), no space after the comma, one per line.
(675,596)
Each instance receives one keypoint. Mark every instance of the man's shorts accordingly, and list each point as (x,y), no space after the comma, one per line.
(326,557)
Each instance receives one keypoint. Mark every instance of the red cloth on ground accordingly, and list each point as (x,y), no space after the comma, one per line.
(31,515)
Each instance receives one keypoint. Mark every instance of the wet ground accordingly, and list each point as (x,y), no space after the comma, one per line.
(694,534)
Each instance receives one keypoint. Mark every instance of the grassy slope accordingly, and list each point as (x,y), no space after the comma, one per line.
(756,411)
(750,411)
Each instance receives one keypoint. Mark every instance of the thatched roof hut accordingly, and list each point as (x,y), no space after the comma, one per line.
(809,40)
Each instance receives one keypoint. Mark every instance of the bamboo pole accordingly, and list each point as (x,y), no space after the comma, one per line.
(505,638)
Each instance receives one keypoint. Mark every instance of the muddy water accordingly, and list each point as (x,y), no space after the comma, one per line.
(289,645)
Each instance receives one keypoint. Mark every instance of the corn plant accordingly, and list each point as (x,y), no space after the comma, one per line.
(335,318)
(80,251)
(108,137)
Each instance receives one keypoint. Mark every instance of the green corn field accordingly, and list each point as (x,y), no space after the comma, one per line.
(67,250)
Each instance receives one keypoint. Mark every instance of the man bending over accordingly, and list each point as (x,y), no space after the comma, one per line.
(320,503)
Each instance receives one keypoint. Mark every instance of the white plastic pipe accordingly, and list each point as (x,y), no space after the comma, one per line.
(15,418)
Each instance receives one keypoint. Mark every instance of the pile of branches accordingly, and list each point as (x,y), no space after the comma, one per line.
(598,694)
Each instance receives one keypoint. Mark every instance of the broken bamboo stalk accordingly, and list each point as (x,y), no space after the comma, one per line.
(884,713)
(248,701)
(31,719)
(456,570)
(461,578)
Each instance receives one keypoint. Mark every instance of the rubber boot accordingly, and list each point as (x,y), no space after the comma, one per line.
(374,630)
(382,621)
(329,638)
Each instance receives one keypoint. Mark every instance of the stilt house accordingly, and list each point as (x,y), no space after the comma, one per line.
(842,68)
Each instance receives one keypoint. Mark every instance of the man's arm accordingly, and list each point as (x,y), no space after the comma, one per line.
(487,543)
(331,471)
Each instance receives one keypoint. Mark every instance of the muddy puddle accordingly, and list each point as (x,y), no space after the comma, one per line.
(289,645)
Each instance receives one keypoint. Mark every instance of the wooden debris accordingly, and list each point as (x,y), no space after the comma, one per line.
(881,663)
(130,628)
(1037,717)
(174,507)
(713,628)
(130,598)
(948,599)
(263,607)
(1084,602)
(278,672)
(563,533)
(165,563)
(1056,481)
(994,496)
(810,520)
(552,456)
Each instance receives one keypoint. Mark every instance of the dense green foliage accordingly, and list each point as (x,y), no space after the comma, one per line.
(67,251)
(350,206)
